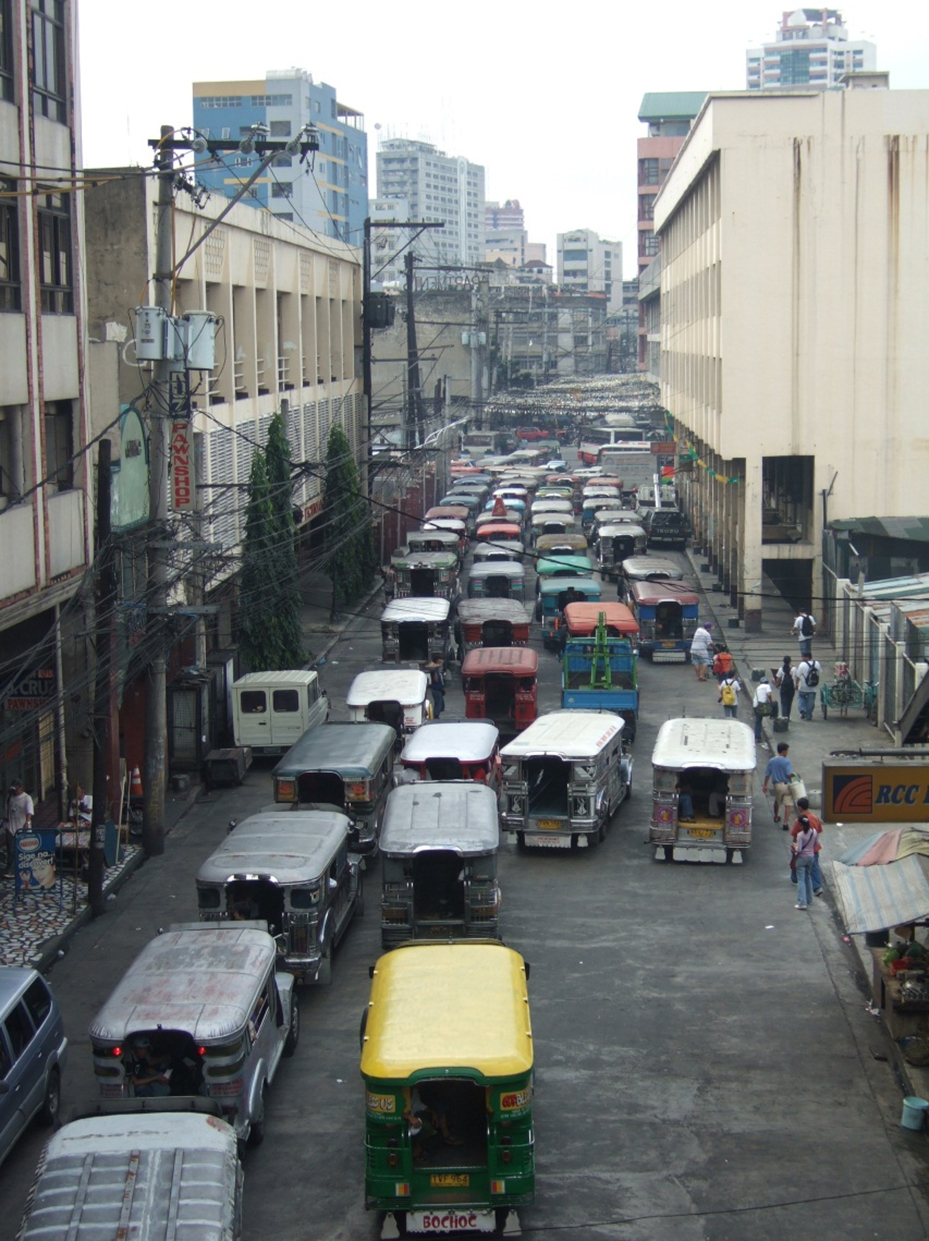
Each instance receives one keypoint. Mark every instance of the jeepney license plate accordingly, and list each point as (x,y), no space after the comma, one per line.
(701,833)
(549,825)
(447,1219)
(454,1180)
(669,644)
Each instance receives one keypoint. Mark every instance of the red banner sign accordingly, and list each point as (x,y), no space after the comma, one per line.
(182,465)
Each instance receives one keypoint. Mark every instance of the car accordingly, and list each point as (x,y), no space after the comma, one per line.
(33,1053)
(556,463)
(531,433)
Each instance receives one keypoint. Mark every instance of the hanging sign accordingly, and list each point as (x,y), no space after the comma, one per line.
(182,465)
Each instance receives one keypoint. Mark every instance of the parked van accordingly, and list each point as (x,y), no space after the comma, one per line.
(454,750)
(394,696)
(294,872)
(345,767)
(33,1053)
(270,710)
(155,1170)
(564,778)
(439,863)
(202,1010)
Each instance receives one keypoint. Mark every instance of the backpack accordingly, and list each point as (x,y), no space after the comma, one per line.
(812,676)
(807,626)
(728,694)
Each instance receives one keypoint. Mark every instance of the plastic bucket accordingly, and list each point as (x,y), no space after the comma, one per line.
(914,1112)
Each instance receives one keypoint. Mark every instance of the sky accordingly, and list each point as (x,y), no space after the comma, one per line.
(545,97)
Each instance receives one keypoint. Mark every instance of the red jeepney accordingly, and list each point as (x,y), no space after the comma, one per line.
(500,684)
(494,531)
(492,622)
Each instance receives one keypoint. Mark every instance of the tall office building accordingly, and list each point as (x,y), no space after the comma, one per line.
(427,184)
(811,50)
(329,192)
(587,264)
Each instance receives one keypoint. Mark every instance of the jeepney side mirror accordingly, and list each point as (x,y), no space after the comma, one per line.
(232,825)
(528,969)
(333,884)
(372,969)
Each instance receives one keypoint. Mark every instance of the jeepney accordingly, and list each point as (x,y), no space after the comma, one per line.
(415,631)
(667,612)
(504,549)
(501,685)
(418,541)
(472,1059)
(455,524)
(427,575)
(345,767)
(552,523)
(491,622)
(551,504)
(294,872)
(548,568)
(564,777)
(497,579)
(615,543)
(454,750)
(555,595)
(394,696)
(439,862)
(711,762)
(570,544)
(451,512)
(647,569)
(499,530)
(600,664)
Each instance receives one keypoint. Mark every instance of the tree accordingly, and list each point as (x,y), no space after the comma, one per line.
(269,598)
(347,533)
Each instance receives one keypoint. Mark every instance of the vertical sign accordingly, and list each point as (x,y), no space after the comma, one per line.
(182,465)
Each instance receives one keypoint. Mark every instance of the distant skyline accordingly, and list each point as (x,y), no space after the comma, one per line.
(548,107)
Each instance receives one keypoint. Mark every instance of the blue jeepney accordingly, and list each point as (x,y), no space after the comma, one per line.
(554,596)
(600,670)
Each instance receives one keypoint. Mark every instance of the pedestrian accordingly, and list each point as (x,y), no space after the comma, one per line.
(389,574)
(763,702)
(729,690)
(785,683)
(804,851)
(436,688)
(816,823)
(700,649)
(722,664)
(804,627)
(19,812)
(806,679)
(779,770)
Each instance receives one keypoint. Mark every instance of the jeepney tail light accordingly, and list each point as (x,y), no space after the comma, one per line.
(285,790)
(505,1156)
(498,1187)
(358,791)
(392,1159)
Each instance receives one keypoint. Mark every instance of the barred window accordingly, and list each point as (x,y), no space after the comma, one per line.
(10,288)
(56,274)
(48,59)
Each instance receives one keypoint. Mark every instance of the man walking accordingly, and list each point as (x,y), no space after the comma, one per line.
(804,627)
(764,697)
(700,654)
(779,770)
(729,689)
(806,679)
(19,812)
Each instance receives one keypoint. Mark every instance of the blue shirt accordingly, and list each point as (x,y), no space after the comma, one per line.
(778,770)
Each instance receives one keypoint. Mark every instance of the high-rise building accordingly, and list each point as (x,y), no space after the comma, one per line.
(327,192)
(810,50)
(587,264)
(427,184)
(508,215)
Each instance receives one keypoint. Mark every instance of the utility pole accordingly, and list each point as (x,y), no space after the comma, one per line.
(156,715)
(106,602)
(414,410)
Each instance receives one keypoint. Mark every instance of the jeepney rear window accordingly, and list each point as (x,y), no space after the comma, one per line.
(511,771)
(285,700)
(208,898)
(585,771)
(304,898)
(253,701)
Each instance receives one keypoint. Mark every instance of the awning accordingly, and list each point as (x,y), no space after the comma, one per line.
(874,898)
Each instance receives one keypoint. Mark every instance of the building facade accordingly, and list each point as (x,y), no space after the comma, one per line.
(587,264)
(811,49)
(45,463)
(426,184)
(327,192)
(794,241)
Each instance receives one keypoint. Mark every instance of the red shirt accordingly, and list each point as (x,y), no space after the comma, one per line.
(815,823)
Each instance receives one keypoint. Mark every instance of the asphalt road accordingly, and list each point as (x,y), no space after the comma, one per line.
(704,1058)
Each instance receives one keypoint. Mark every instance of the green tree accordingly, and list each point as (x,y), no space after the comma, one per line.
(286,568)
(256,602)
(347,532)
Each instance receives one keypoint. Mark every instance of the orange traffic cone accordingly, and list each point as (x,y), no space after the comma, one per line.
(135,784)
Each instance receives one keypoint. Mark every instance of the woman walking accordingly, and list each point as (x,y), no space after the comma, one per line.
(805,852)
(700,653)
(785,683)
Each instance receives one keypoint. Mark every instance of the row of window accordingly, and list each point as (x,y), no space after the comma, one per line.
(48,57)
(58,466)
(53,226)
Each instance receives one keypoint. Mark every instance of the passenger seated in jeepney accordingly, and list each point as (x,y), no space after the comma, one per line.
(717,800)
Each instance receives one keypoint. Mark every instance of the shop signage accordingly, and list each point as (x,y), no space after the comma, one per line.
(182,465)
(37,862)
(31,692)
(876,792)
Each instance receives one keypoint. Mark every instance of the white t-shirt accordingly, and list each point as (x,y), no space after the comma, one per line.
(803,671)
(19,810)
(763,694)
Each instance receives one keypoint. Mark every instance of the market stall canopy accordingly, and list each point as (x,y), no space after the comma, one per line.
(885,847)
(877,897)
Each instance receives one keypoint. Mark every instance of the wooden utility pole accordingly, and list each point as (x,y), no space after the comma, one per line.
(105,608)
(414,405)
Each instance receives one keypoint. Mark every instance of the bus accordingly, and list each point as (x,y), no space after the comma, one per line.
(595,439)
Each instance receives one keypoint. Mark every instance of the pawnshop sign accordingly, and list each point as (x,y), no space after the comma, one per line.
(182,465)
(876,792)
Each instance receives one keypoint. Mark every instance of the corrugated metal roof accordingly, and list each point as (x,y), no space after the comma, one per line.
(877,897)
(680,105)
(896,588)
(915,528)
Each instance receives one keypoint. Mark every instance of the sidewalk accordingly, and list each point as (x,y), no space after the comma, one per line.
(810,744)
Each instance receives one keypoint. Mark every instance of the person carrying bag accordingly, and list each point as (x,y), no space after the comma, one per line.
(804,852)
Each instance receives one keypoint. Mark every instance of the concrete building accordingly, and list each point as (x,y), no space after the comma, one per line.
(794,241)
(328,192)
(811,50)
(429,185)
(506,215)
(45,462)
(288,305)
(587,264)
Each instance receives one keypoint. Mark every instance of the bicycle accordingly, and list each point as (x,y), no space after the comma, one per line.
(871,689)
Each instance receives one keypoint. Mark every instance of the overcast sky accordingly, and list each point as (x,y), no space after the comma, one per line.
(546,97)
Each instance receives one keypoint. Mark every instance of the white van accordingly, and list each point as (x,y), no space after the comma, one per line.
(272,710)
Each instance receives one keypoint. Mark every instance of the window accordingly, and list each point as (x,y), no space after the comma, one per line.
(282,189)
(19,1030)
(253,702)
(6,50)
(38,1001)
(59,444)
(282,161)
(285,700)
(55,274)
(280,129)
(219,101)
(48,58)
(10,298)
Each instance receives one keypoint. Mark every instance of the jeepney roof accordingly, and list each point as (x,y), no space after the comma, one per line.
(506,529)
(443,523)
(467,499)
(459,815)
(200,979)
(470,741)
(479,988)
(518,661)
(620,529)
(448,537)
(473,610)
(567,734)
(663,591)
(485,550)
(286,676)
(286,846)
(136,1131)
(459,511)
(644,567)
(584,617)
(552,564)
(724,744)
(438,560)
(583,585)
(404,685)
(424,609)
(573,539)
(497,568)
(355,750)
(553,504)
